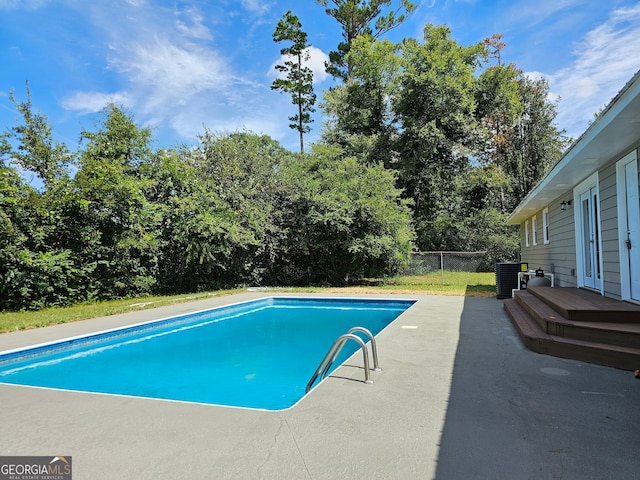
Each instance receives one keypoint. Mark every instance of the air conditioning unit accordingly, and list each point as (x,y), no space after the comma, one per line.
(507,278)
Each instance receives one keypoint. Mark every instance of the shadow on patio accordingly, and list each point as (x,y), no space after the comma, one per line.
(516,414)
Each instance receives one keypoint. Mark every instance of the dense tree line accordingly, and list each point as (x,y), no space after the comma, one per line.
(235,209)
(428,145)
(467,135)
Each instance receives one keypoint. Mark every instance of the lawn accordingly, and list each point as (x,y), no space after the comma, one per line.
(437,283)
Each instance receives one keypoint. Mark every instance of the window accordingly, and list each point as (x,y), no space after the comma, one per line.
(534,230)
(545,225)
(526,233)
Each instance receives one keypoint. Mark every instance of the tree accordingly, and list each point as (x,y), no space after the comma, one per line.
(499,106)
(37,151)
(171,179)
(298,81)
(537,142)
(436,108)
(520,139)
(495,45)
(345,221)
(37,266)
(117,225)
(360,114)
(484,220)
(242,170)
(356,17)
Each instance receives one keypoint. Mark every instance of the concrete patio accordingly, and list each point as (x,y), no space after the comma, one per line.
(459,397)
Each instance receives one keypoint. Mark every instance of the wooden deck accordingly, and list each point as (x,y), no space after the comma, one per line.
(579,324)
(581,304)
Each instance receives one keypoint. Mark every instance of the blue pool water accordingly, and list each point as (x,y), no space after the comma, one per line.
(258,354)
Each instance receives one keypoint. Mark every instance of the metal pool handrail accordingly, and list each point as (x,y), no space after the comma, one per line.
(335,349)
(374,349)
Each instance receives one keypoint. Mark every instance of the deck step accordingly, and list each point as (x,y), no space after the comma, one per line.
(539,310)
(587,306)
(536,339)
(530,332)
(622,334)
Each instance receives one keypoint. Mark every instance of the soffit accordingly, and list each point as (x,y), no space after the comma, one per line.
(610,136)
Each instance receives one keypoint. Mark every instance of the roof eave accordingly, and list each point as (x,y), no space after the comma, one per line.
(609,135)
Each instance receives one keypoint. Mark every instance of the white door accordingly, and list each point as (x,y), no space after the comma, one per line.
(629,226)
(589,251)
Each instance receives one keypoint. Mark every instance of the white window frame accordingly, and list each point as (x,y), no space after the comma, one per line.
(534,230)
(526,233)
(545,226)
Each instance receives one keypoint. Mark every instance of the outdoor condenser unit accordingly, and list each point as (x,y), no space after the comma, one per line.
(507,278)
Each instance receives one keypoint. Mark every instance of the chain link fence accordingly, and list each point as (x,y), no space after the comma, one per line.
(423,263)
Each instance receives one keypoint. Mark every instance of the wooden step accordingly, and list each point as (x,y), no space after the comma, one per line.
(539,310)
(587,306)
(536,339)
(623,334)
(530,332)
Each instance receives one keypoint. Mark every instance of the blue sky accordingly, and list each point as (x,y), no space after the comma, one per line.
(181,65)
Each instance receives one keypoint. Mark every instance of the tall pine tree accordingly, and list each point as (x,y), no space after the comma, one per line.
(358,17)
(298,78)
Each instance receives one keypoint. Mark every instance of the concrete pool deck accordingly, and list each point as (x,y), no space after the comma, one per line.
(459,397)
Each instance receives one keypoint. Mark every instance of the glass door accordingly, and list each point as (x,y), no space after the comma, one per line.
(590,255)
(629,226)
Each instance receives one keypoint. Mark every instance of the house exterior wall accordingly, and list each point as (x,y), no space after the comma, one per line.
(559,255)
(609,231)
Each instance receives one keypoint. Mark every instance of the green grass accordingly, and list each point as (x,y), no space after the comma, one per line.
(12,321)
(437,283)
(458,282)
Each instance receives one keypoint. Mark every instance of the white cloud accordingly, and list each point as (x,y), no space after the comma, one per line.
(192,26)
(163,79)
(317,60)
(250,107)
(165,69)
(533,13)
(258,7)
(316,63)
(189,123)
(184,88)
(605,60)
(92,102)
(169,70)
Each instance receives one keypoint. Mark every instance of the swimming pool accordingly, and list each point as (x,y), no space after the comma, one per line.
(257,354)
